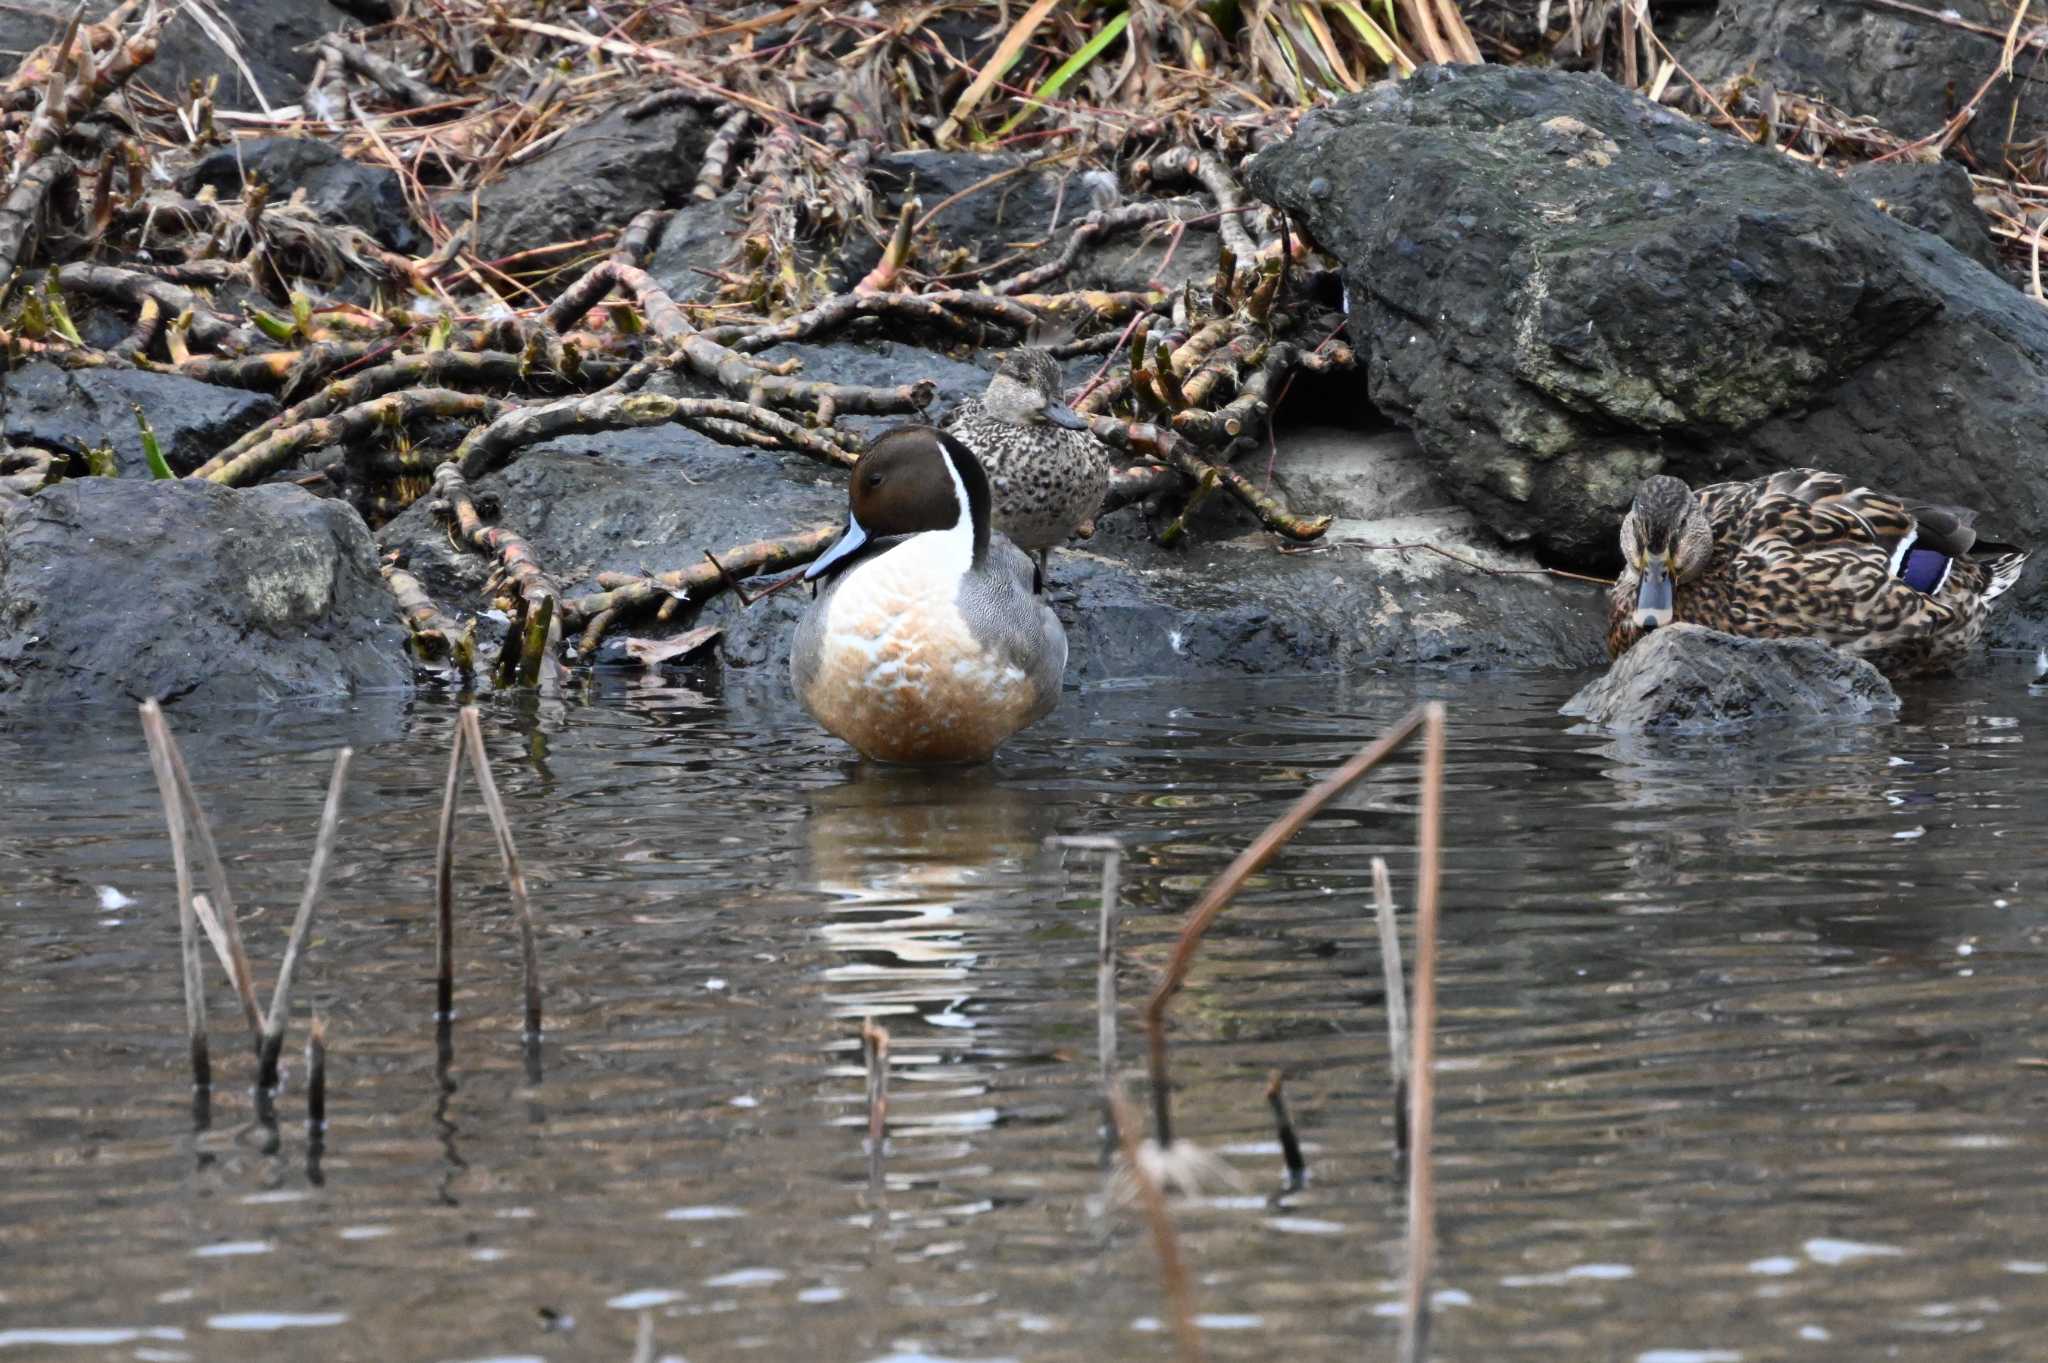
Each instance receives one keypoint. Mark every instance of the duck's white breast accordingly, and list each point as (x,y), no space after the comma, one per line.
(901,674)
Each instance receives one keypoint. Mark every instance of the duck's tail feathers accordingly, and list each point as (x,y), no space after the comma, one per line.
(2004,563)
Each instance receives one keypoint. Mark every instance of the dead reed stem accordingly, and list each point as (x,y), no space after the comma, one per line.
(515,877)
(1397,998)
(874,1045)
(235,959)
(1173,1274)
(1422,1087)
(158,736)
(444,885)
(316,1078)
(1283,1126)
(302,922)
(1216,898)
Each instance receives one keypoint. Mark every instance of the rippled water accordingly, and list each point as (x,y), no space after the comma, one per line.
(1742,1042)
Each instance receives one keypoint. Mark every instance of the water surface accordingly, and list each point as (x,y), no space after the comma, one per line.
(1742,1047)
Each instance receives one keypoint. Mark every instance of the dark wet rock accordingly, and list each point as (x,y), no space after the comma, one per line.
(112,589)
(1561,287)
(887,364)
(337,189)
(699,239)
(1904,68)
(982,223)
(274,39)
(595,177)
(624,501)
(1933,196)
(1688,679)
(68,410)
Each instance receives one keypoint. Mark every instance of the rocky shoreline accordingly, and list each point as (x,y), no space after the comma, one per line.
(1456,318)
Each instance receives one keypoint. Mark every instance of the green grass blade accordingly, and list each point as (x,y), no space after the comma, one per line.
(1068,69)
(152,452)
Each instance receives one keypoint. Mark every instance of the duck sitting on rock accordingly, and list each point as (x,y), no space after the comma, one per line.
(1804,553)
(930,641)
(1048,472)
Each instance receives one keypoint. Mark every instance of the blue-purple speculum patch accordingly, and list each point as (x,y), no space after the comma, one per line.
(1924,569)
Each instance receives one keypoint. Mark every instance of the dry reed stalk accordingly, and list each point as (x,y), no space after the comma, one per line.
(234,959)
(316,1078)
(158,736)
(874,1045)
(515,877)
(1112,851)
(1173,1274)
(1422,1088)
(1283,1126)
(302,923)
(444,885)
(1216,898)
(1397,998)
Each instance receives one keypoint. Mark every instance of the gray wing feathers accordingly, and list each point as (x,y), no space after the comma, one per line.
(1015,623)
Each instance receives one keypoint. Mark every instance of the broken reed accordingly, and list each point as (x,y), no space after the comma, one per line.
(469,738)
(214,915)
(1427,720)
(874,1045)
(1173,1273)
(1396,996)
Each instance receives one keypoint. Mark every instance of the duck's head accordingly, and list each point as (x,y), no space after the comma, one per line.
(910,480)
(1666,539)
(1026,392)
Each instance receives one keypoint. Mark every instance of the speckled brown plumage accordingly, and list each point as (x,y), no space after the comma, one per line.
(1046,480)
(1806,553)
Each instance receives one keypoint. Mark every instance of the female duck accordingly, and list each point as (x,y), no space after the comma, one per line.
(929,641)
(1048,473)
(1804,553)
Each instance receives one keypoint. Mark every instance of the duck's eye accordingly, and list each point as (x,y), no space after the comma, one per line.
(874,480)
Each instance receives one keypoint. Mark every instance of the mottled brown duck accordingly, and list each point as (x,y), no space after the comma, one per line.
(1803,553)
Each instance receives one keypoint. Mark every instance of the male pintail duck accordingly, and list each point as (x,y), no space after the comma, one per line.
(1048,472)
(1805,553)
(929,641)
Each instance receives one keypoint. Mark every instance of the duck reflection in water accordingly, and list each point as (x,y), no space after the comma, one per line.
(925,861)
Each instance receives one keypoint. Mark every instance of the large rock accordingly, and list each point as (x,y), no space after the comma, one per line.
(1907,67)
(67,410)
(623,501)
(1562,287)
(1688,679)
(112,589)
(596,176)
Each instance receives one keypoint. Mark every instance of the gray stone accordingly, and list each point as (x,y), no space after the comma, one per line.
(1935,197)
(59,409)
(337,189)
(699,238)
(1691,679)
(983,222)
(1562,287)
(623,501)
(596,176)
(112,590)
(1903,67)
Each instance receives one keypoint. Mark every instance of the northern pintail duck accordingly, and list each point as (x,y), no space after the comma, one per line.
(1048,472)
(1808,554)
(929,641)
